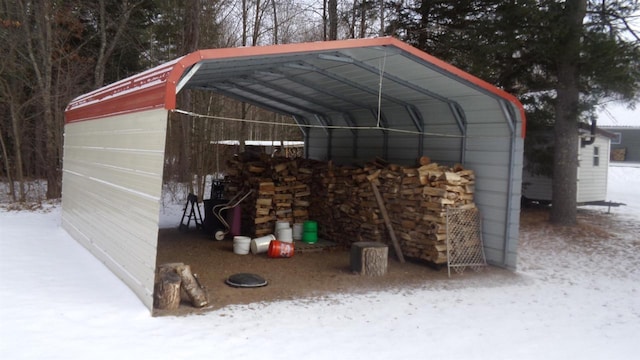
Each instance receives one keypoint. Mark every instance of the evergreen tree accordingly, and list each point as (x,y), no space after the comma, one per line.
(561,58)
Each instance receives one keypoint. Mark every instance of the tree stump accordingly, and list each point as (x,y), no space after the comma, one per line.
(369,258)
(171,267)
(188,287)
(167,291)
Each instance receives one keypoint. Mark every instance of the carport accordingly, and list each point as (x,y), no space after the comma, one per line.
(354,100)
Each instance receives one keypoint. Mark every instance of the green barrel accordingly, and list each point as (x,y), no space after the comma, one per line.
(310,232)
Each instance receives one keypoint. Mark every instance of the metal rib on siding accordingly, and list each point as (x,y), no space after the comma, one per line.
(461,121)
(511,120)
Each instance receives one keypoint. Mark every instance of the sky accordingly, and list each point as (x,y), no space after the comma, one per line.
(619,115)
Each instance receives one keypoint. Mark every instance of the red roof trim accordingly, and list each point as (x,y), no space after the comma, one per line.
(140,92)
(156,87)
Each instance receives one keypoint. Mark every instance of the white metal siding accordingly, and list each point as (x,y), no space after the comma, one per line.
(496,157)
(112,181)
(592,180)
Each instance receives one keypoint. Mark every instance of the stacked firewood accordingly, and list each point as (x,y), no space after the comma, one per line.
(264,201)
(416,199)
(441,188)
(281,191)
(341,200)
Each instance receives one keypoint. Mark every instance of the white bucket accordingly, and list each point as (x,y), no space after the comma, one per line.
(241,245)
(282,225)
(261,244)
(297,231)
(285,235)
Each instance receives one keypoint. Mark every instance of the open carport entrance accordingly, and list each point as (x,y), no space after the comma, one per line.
(355,100)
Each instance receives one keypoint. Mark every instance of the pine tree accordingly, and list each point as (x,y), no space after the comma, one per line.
(561,59)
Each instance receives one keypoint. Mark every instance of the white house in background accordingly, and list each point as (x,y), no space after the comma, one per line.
(593,164)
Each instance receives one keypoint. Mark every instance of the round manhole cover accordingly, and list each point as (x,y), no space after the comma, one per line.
(246,280)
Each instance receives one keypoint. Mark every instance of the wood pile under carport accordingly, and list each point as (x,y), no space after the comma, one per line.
(341,199)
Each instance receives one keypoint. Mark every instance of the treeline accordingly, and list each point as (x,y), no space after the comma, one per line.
(561,58)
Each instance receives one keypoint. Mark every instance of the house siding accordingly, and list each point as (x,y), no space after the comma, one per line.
(592,179)
(629,141)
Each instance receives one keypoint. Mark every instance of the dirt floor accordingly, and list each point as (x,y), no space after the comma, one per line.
(313,272)
(309,273)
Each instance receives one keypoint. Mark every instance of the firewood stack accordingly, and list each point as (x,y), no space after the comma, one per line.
(443,188)
(341,200)
(281,191)
(264,202)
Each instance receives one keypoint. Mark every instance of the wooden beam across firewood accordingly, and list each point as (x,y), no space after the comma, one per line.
(387,221)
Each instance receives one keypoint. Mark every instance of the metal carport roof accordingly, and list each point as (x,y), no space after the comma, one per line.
(317,83)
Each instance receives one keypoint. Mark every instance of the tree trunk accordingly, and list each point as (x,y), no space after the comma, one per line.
(98,74)
(275,22)
(354,12)
(7,165)
(333,19)
(245,21)
(53,129)
(191,27)
(257,22)
(324,20)
(565,166)
(363,18)
(16,120)
(40,48)
(381,18)
(108,43)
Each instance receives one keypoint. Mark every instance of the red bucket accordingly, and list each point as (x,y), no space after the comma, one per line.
(280,249)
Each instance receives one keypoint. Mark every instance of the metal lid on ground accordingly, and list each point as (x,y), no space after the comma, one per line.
(246,280)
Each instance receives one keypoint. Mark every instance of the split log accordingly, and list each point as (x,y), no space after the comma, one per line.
(369,258)
(424,160)
(196,294)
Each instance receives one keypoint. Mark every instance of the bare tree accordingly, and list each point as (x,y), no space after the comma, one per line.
(108,40)
(381,33)
(333,19)
(11,95)
(40,52)
(275,21)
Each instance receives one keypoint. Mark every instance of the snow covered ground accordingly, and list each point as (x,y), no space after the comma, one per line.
(567,300)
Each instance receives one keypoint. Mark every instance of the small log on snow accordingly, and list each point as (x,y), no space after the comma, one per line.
(369,258)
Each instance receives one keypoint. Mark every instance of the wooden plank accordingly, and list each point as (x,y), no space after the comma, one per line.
(387,221)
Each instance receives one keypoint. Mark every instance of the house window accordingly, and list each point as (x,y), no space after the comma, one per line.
(617,140)
(596,156)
